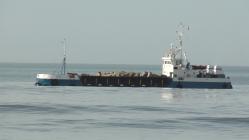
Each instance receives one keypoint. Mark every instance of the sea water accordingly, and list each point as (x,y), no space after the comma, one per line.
(28,112)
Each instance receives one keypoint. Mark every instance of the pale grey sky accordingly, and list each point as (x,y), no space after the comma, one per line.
(123,31)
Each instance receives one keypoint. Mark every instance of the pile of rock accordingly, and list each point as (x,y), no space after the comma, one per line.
(127,74)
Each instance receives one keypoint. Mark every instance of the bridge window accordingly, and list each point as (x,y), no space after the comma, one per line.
(167,62)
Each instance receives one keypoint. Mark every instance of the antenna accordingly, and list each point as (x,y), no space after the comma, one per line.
(180,33)
(64,59)
(65,45)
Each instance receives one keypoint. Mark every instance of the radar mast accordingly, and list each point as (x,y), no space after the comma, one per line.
(181,29)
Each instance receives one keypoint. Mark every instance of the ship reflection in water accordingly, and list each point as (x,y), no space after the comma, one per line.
(170,95)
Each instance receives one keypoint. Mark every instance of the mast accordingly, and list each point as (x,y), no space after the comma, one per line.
(63,68)
(180,32)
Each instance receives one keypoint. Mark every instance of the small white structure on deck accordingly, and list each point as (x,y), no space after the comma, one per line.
(61,78)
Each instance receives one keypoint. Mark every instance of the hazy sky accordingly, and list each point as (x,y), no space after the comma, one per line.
(123,31)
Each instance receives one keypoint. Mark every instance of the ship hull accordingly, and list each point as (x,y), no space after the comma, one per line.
(58,82)
(201,85)
(166,82)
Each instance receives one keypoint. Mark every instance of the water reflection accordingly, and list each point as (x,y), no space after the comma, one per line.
(169,95)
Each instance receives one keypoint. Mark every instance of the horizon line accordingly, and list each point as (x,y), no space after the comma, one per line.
(76,63)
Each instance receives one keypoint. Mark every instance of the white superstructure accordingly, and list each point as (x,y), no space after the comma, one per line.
(175,64)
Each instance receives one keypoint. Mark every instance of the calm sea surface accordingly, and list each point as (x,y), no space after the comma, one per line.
(28,112)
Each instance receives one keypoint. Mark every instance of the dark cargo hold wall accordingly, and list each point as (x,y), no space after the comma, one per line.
(161,81)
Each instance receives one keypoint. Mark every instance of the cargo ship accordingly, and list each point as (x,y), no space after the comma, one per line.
(177,72)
